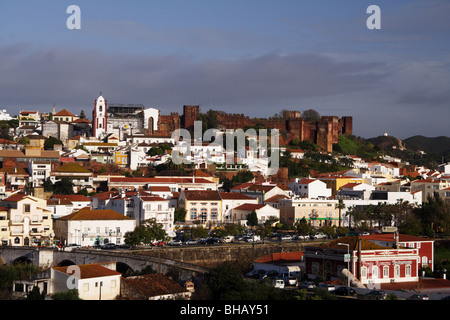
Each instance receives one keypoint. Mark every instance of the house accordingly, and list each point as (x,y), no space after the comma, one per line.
(38,172)
(264,212)
(60,207)
(96,281)
(88,227)
(29,118)
(29,222)
(317,212)
(36,141)
(78,200)
(82,127)
(152,287)
(80,176)
(336,181)
(204,206)
(150,206)
(65,116)
(429,186)
(176,184)
(231,200)
(260,191)
(425,246)
(368,262)
(310,188)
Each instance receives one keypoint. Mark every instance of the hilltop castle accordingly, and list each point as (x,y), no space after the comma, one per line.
(133,119)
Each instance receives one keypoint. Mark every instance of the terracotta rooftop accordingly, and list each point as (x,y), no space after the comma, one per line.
(72,167)
(282,257)
(202,195)
(155,284)
(234,196)
(88,214)
(90,271)
(249,207)
(71,197)
(64,112)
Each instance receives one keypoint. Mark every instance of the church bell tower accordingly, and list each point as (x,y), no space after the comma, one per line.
(100,118)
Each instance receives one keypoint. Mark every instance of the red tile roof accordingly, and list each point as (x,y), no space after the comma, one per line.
(90,271)
(249,207)
(88,214)
(71,197)
(234,196)
(155,284)
(64,112)
(202,195)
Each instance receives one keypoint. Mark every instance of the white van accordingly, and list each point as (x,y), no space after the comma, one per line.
(228,239)
(278,283)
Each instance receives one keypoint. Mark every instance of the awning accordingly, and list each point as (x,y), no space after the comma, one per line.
(293,268)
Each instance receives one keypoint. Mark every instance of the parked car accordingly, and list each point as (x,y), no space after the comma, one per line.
(319,235)
(191,242)
(228,239)
(285,237)
(71,247)
(306,285)
(255,274)
(419,296)
(344,291)
(109,246)
(327,286)
(175,242)
(159,243)
(377,294)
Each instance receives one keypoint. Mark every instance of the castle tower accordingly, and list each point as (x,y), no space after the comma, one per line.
(100,118)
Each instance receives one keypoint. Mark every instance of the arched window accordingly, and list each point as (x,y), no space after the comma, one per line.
(363,272)
(374,272)
(397,271)
(408,270)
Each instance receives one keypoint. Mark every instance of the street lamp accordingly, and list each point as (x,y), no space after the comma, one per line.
(348,260)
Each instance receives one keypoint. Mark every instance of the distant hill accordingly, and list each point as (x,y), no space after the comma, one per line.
(439,145)
(386,142)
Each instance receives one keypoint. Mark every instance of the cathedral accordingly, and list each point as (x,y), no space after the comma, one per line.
(121,119)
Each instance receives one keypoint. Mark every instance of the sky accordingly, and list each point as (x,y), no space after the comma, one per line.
(255,57)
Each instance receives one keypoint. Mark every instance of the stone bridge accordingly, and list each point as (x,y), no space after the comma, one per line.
(125,260)
(185,262)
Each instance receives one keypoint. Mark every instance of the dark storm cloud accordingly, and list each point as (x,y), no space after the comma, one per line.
(256,86)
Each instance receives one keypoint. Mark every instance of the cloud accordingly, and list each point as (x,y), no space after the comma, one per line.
(258,84)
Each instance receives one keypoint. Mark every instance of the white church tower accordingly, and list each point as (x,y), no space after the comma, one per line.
(100,118)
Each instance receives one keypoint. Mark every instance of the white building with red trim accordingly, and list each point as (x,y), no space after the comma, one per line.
(372,260)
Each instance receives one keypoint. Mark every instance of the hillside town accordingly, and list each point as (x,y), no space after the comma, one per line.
(70,183)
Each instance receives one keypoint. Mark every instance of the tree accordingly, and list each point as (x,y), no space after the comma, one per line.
(252,219)
(35,294)
(340,206)
(64,186)
(180,215)
(50,143)
(71,294)
(82,115)
(311,115)
(146,233)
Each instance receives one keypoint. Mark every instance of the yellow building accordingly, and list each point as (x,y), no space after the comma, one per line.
(335,182)
(121,157)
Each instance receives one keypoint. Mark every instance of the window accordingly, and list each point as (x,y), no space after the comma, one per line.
(424,261)
(204,215)
(396,271)
(26,208)
(385,272)
(364,272)
(214,214)
(408,270)
(193,213)
(374,272)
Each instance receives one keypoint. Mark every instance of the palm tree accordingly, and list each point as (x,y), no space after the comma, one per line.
(340,205)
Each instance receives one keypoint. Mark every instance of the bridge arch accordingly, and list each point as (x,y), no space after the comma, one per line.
(66,263)
(22,260)
(123,268)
